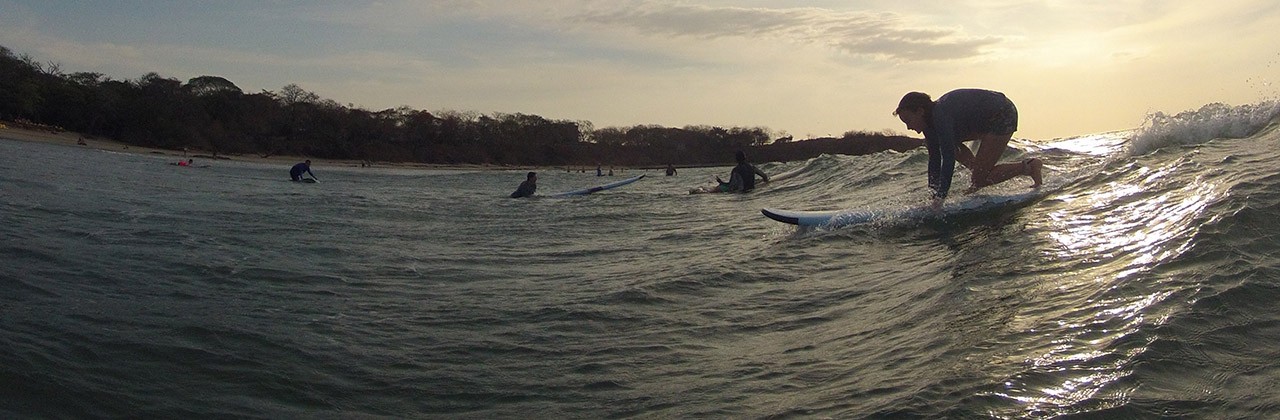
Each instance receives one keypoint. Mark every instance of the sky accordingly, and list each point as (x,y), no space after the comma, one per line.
(803,68)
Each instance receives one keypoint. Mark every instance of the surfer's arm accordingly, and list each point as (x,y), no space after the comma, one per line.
(946,171)
(945,141)
(761,173)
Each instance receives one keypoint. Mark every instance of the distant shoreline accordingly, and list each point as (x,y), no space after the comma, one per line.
(52,135)
(9,131)
(12,131)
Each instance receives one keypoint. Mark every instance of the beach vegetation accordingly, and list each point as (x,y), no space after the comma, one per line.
(212,114)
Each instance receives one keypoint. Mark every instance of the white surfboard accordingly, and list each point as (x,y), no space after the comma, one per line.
(848,217)
(586,191)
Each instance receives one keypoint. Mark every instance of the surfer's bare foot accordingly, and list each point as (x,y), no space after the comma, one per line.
(1035,170)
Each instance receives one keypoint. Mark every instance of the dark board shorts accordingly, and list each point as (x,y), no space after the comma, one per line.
(1004,120)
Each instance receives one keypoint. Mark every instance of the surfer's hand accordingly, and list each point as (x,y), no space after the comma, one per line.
(936,205)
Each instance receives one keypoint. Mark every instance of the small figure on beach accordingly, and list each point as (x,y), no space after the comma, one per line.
(966,115)
(598,172)
(743,176)
(528,187)
(81,142)
(296,171)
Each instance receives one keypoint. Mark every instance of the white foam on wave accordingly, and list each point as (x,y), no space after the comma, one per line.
(1212,121)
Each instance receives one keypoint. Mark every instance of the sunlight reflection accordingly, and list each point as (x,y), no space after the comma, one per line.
(1138,224)
(1081,368)
(1103,144)
(1120,231)
(1069,392)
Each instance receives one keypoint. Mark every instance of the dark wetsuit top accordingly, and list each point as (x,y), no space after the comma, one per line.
(747,174)
(526,189)
(741,179)
(958,116)
(297,170)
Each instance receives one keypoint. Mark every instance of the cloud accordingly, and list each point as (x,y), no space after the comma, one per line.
(573,26)
(397,18)
(883,35)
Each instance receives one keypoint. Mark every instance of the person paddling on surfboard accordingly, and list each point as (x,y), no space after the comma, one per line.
(743,176)
(964,115)
(527,187)
(297,170)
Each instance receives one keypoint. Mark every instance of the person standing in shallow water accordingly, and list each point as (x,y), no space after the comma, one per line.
(528,187)
(965,115)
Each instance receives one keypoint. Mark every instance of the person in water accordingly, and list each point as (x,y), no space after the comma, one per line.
(671,170)
(964,115)
(528,187)
(743,176)
(296,172)
(187,162)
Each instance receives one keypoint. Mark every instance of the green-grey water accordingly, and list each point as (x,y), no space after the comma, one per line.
(1141,285)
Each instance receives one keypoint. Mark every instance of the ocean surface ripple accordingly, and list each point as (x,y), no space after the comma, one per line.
(1142,284)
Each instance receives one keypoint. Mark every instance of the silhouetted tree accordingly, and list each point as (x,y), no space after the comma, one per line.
(212,113)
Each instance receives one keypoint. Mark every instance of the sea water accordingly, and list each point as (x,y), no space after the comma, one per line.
(1144,284)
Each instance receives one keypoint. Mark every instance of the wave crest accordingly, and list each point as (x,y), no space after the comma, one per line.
(1212,121)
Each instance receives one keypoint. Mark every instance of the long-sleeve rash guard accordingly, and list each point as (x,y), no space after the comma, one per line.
(957,116)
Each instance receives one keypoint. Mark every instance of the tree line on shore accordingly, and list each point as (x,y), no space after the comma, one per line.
(212,114)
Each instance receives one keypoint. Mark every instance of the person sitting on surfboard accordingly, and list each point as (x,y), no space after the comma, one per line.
(296,172)
(964,115)
(743,176)
(527,187)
